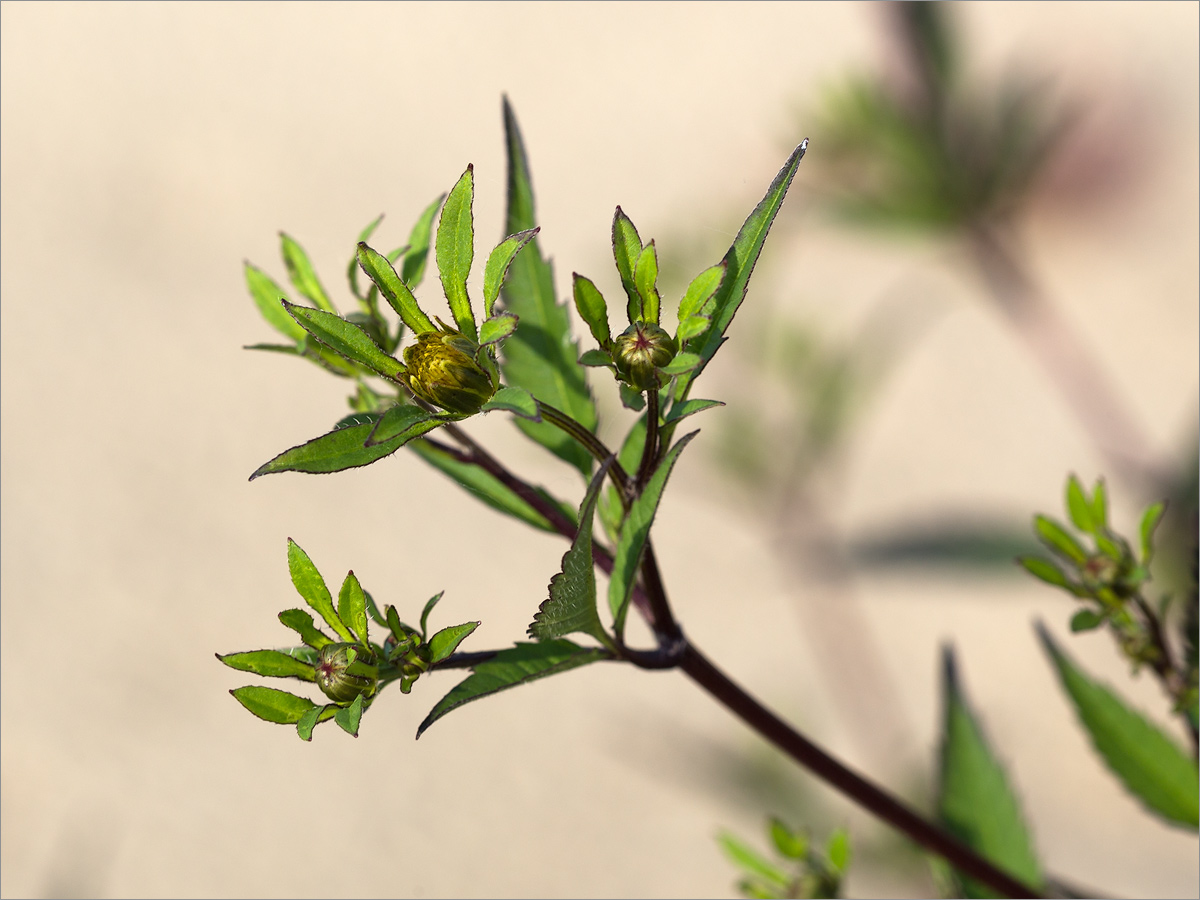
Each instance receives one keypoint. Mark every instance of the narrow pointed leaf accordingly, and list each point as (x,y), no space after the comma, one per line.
(456,249)
(571,606)
(402,423)
(336,451)
(346,339)
(303,275)
(1100,505)
(1151,766)
(751,861)
(272,663)
(446,641)
(394,291)
(1079,506)
(497,328)
(1048,572)
(689,408)
(485,486)
(1150,519)
(645,278)
(302,623)
(975,801)
(352,268)
(272,705)
(352,607)
(429,607)
(267,294)
(413,268)
(498,262)
(516,400)
(349,717)
(373,610)
(627,249)
(683,362)
(541,356)
(692,327)
(838,850)
(789,843)
(509,668)
(1054,536)
(314,717)
(311,586)
(635,532)
(593,308)
(700,293)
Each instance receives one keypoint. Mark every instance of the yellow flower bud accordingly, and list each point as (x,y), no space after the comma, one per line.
(442,370)
(639,351)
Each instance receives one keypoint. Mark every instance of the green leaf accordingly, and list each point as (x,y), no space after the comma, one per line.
(838,850)
(346,339)
(312,718)
(689,408)
(272,663)
(395,291)
(429,605)
(516,400)
(402,423)
(413,268)
(1086,620)
(311,586)
(497,328)
(352,607)
(630,398)
(446,641)
(645,277)
(352,269)
(485,486)
(627,249)
(303,276)
(1100,505)
(399,629)
(1048,572)
(509,668)
(683,362)
(698,298)
(595,358)
(336,451)
(571,606)
(750,860)
(1054,536)
(1079,506)
(692,327)
(593,309)
(272,705)
(373,610)
(349,717)
(635,532)
(1150,519)
(498,262)
(1150,764)
(456,249)
(975,800)
(789,843)
(739,263)
(302,623)
(267,294)
(541,356)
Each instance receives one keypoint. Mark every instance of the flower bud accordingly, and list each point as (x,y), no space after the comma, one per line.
(341,676)
(640,350)
(442,370)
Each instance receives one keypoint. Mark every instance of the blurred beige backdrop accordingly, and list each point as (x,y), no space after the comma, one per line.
(148,149)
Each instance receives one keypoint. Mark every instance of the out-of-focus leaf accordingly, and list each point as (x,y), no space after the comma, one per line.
(645,277)
(1151,766)
(593,309)
(394,291)
(446,641)
(455,251)
(975,801)
(1150,519)
(516,400)
(788,842)
(311,586)
(509,668)
(498,262)
(272,663)
(1058,538)
(302,623)
(342,337)
(267,294)
(336,451)
(402,423)
(750,860)
(1100,505)
(627,249)
(412,270)
(1048,572)
(1086,620)
(541,355)
(838,850)
(352,607)
(303,275)
(272,705)
(352,269)
(1079,506)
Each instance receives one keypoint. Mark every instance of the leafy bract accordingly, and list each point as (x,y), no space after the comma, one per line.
(1151,766)
(352,607)
(394,290)
(349,717)
(456,250)
(571,606)
(313,717)
(311,586)
(402,423)
(303,275)
(635,531)
(645,278)
(497,328)
(272,704)
(412,270)
(272,663)
(975,801)
(515,400)
(541,355)
(496,269)
(345,338)
(302,623)
(1054,536)
(267,294)
(627,248)
(336,451)
(509,668)
(446,641)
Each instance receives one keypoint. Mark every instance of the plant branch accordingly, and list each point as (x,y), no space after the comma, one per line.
(1164,667)
(649,447)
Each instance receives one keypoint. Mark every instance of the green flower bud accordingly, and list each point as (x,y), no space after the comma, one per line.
(341,675)
(442,370)
(639,351)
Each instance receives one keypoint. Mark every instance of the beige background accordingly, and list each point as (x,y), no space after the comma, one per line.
(148,149)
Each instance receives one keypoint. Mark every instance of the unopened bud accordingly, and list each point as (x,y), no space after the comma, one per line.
(442,370)
(640,350)
(342,676)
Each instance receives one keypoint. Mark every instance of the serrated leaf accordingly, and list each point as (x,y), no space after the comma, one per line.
(627,249)
(683,362)
(485,486)
(635,532)
(497,328)
(413,268)
(1058,538)
(394,291)
(345,338)
(267,294)
(313,718)
(336,451)
(498,262)
(516,400)
(349,717)
(541,355)
(352,607)
(1079,507)
(592,308)
(352,268)
(402,423)
(508,668)
(429,607)
(302,623)
(271,663)
(446,641)
(311,586)
(750,860)
(1150,519)
(303,275)
(689,408)
(272,705)
(975,801)
(571,606)
(645,277)
(1148,763)
(1086,620)
(455,251)
(698,298)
